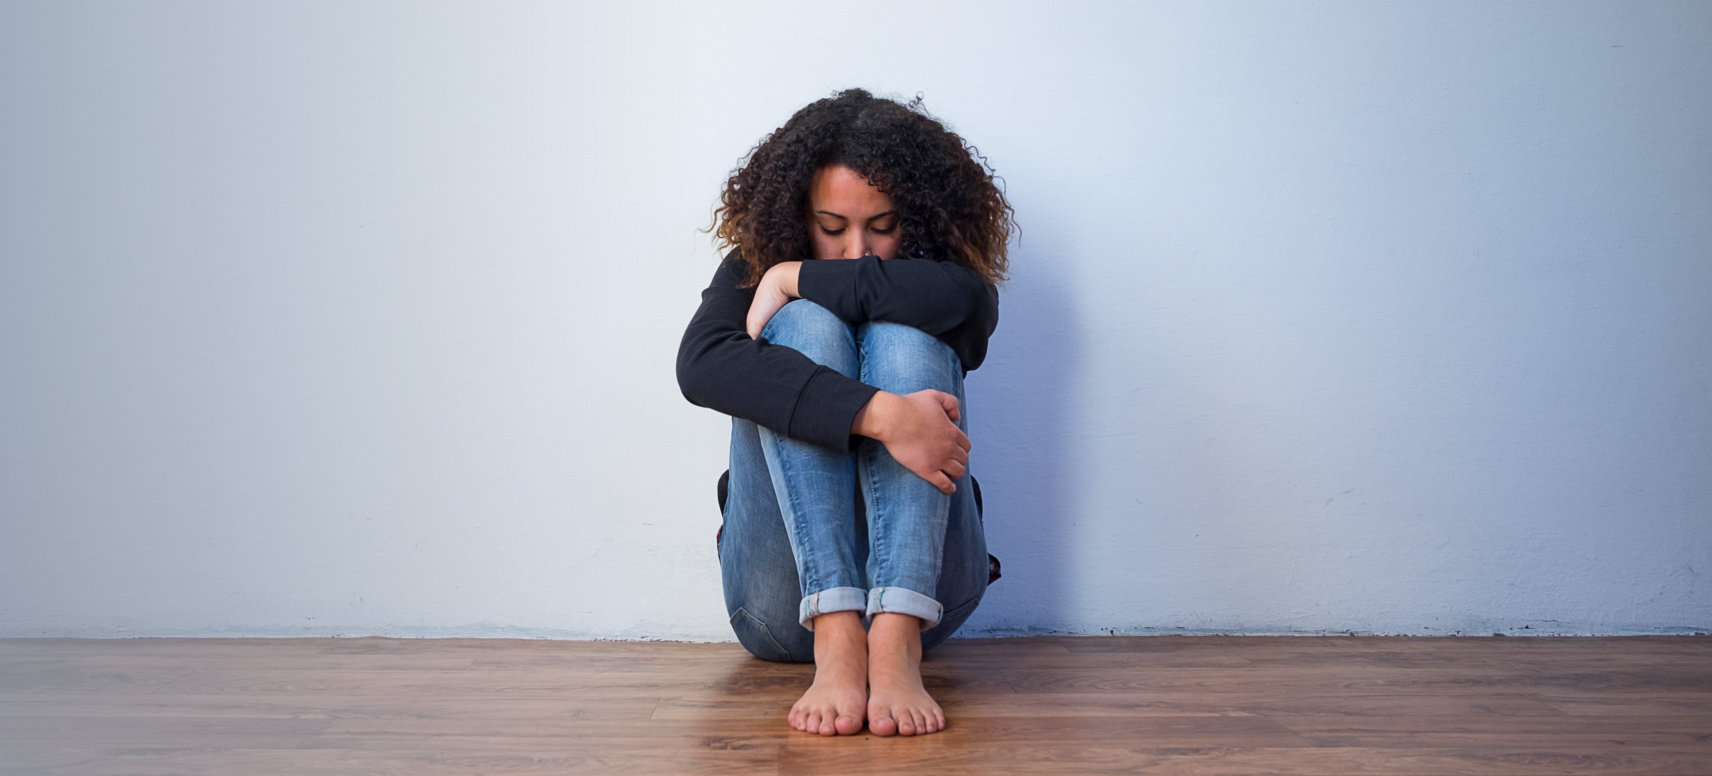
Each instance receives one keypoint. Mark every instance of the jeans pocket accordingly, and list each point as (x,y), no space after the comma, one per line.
(756,637)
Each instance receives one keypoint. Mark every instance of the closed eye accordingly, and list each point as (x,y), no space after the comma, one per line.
(875,230)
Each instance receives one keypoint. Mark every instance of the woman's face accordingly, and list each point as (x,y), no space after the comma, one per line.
(848,218)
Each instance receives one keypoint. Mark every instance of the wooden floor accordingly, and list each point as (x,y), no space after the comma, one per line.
(1217,705)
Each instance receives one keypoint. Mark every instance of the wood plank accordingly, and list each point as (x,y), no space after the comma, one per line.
(1243,761)
(1225,705)
(1502,731)
(1360,680)
(426,761)
(60,731)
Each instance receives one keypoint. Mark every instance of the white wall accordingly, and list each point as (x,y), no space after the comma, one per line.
(360,319)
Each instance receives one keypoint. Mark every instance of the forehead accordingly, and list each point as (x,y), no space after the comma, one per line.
(837,186)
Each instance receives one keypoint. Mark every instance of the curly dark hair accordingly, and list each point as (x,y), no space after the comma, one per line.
(948,203)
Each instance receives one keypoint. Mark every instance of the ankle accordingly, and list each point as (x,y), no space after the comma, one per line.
(896,625)
(838,625)
(839,636)
(895,634)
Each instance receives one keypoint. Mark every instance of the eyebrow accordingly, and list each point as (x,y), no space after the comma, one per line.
(876,217)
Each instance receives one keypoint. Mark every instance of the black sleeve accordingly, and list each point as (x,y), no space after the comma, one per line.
(950,302)
(720,367)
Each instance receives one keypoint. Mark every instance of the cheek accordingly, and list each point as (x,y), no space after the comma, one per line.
(886,246)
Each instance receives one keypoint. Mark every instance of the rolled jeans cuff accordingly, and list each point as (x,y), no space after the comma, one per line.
(900,600)
(836,599)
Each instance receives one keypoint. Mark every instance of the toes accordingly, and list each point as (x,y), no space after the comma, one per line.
(848,724)
(882,725)
(913,723)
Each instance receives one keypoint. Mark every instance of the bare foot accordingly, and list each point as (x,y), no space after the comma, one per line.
(897,701)
(835,702)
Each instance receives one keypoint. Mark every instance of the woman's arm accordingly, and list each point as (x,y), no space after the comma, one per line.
(940,298)
(722,368)
(918,431)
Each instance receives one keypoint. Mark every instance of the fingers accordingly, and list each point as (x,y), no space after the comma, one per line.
(948,403)
(941,475)
(767,303)
(945,479)
(761,311)
(757,320)
(929,443)
(960,446)
(757,317)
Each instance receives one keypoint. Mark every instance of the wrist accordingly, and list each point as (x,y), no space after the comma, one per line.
(874,419)
(784,277)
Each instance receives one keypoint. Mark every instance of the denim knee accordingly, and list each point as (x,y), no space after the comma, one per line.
(815,332)
(902,359)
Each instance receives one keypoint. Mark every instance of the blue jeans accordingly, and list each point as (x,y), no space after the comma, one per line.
(810,530)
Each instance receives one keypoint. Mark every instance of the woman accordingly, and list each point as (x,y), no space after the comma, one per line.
(867,241)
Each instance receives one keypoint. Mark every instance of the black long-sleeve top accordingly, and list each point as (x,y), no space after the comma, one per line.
(720,367)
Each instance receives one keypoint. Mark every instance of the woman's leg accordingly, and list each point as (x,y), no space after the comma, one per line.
(907,515)
(815,490)
(757,567)
(762,591)
(762,583)
(814,486)
(909,524)
(963,569)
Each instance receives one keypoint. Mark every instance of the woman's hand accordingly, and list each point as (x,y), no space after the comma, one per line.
(918,430)
(776,289)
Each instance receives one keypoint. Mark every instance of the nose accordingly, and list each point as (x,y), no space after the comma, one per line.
(856,245)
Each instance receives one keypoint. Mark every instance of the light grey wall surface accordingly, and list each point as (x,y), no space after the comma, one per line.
(360,318)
